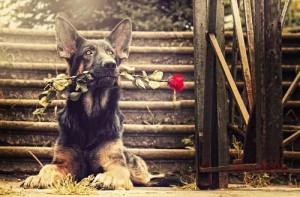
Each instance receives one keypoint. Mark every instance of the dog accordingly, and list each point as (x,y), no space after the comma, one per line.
(91,128)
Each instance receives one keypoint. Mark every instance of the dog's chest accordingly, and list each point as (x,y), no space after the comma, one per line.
(95,101)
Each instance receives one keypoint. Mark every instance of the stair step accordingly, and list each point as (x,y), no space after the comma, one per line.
(52,127)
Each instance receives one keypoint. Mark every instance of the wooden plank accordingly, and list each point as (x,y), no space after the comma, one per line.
(229,79)
(47,152)
(291,138)
(143,105)
(21,83)
(243,53)
(233,70)
(52,127)
(250,38)
(133,49)
(291,89)
(284,11)
(62,67)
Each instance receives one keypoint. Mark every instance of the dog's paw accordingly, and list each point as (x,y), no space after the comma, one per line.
(48,175)
(112,180)
(35,182)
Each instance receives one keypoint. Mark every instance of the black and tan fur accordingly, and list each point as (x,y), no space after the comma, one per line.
(90,140)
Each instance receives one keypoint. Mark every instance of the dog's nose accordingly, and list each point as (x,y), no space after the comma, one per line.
(109,64)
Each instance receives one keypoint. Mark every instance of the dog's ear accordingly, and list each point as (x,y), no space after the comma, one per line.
(67,37)
(120,38)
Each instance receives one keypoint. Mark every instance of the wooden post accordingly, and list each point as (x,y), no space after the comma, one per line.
(269,151)
(222,104)
(200,47)
(210,133)
(210,95)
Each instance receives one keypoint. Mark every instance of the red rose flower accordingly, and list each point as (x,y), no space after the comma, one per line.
(176,82)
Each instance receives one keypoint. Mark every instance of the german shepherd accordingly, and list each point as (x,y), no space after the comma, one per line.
(91,128)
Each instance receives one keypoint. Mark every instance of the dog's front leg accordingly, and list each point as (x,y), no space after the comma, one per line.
(65,162)
(111,158)
(47,176)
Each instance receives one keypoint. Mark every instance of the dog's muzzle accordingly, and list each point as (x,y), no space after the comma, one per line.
(105,74)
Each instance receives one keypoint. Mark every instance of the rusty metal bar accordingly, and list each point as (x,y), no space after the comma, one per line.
(291,89)
(243,53)
(284,11)
(291,138)
(249,168)
(229,79)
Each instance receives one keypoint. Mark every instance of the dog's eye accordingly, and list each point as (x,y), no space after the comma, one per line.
(88,52)
(110,52)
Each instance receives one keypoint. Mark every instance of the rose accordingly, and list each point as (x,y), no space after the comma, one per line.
(176,82)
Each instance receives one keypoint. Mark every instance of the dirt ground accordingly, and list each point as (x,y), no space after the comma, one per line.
(13,189)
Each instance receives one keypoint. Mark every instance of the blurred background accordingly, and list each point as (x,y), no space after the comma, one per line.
(148,15)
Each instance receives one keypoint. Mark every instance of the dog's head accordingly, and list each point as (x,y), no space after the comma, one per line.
(100,57)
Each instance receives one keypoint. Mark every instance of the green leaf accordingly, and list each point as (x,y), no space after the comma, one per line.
(145,77)
(44,101)
(89,76)
(74,96)
(154,84)
(60,84)
(139,83)
(144,74)
(156,76)
(128,69)
(39,111)
(82,86)
(126,75)
(61,76)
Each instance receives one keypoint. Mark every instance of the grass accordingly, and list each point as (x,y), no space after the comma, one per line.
(238,146)
(250,178)
(5,191)
(69,186)
(257,179)
(189,185)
